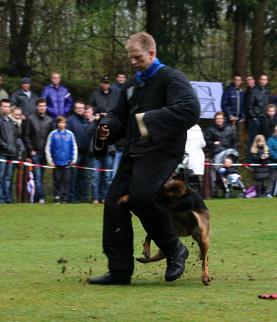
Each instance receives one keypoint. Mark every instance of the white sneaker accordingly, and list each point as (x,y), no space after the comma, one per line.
(269,195)
(41,201)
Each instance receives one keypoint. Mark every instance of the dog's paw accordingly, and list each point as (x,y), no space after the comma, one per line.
(123,200)
(143,260)
(206,280)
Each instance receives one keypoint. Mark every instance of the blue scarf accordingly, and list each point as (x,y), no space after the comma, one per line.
(149,72)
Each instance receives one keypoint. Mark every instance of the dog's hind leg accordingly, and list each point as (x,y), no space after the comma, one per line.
(201,234)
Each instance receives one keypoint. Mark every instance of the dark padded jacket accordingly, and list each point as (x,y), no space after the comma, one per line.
(257,101)
(103,103)
(170,106)
(225,134)
(35,132)
(28,105)
(8,138)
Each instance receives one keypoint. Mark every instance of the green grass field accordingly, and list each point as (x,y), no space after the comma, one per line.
(34,287)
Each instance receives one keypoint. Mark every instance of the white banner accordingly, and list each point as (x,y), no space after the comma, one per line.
(209,95)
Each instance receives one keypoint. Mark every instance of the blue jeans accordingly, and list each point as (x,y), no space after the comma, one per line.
(38,175)
(101,181)
(116,161)
(79,180)
(6,171)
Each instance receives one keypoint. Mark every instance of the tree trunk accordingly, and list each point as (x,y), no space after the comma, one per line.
(239,46)
(20,30)
(153,18)
(257,42)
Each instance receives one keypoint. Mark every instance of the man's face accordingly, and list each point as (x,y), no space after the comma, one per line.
(17,114)
(219,120)
(42,107)
(121,79)
(105,86)
(140,59)
(250,81)
(5,108)
(79,108)
(26,87)
(237,81)
(88,113)
(263,80)
(56,79)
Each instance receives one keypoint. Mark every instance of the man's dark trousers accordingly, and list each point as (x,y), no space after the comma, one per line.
(141,177)
(61,177)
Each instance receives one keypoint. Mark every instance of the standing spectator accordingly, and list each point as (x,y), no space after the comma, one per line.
(17,118)
(194,148)
(59,101)
(120,80)
(272,145)
(38,126)
(61,152)
(25,98)
(8,151)
(270,120)
(221,139)
(260,154)
(3,92)
(104,98)
(257,101)
(80,178)
(100,181)
(233,101)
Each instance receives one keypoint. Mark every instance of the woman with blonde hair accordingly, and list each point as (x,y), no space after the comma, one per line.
(260,154)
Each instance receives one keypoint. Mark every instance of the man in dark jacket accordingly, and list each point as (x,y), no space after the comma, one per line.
(220,136)
(156,109)
(79,179)
(37,128)
(257,101)
(25,98)
(104,98)
(233,101)
(8,150)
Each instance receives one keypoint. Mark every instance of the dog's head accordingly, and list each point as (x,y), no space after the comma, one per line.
(176,186)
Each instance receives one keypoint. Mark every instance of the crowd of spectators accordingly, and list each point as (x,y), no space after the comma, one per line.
(51,129)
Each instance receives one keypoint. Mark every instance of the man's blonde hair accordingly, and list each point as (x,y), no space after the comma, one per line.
(146,41)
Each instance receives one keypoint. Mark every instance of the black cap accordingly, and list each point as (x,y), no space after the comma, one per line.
(26,80)
(105,79)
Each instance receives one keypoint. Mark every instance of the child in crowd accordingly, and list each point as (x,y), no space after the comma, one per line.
(270,120)
(260,154)
(61,152)
(230,177)
(272,145)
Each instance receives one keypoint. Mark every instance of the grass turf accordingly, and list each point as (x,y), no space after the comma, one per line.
(34,287)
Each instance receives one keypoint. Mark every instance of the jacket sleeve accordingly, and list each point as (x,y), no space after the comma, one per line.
(272,151)
(14,98)
(3,143)
(48,152)
(209,139)
(68,102)
(225,103)
(74,150)
(250,103)
(27,135)
(181,112)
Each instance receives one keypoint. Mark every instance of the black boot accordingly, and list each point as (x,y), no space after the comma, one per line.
(176,263)
(111,278)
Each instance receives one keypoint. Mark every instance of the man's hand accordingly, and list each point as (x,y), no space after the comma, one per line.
(33,152)
(103,132)
(216,143)
(51,164)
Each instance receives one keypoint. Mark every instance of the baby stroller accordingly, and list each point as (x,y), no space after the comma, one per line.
(229,181)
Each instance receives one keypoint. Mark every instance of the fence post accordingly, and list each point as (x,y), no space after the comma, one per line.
(207,186)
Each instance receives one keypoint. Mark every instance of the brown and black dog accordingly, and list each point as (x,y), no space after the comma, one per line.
(190,216)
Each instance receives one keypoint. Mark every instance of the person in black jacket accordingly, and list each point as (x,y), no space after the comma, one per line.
(221,139)
(270,120)
(156,109)
(80,178)
(25,98)
(36,130)
(8,150)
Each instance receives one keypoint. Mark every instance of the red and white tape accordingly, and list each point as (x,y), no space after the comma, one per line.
(29,164)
